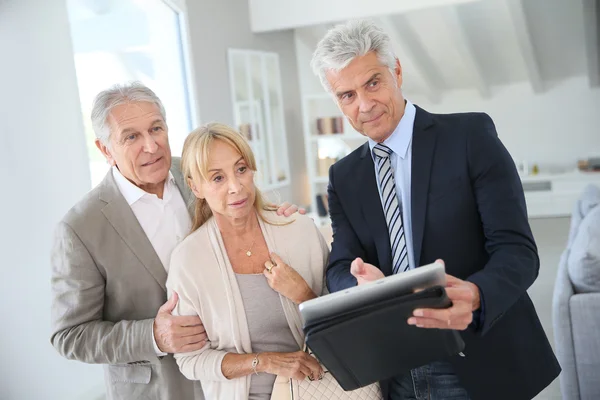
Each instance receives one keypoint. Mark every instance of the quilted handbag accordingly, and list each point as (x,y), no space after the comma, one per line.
(324,389)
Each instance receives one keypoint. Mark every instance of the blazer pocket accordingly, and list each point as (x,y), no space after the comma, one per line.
(443,189)
(130,373)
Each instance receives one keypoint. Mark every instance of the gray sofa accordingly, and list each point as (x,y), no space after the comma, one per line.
(576,303)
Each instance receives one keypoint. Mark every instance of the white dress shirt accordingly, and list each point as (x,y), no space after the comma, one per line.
(401,144)
(166,221)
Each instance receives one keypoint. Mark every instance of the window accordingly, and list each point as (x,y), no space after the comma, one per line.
(116,42)
(259,114)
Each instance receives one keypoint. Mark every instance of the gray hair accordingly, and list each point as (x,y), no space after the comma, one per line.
(343,43)
(114,96)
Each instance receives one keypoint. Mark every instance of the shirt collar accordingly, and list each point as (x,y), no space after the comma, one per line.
(131,192)
(399,140)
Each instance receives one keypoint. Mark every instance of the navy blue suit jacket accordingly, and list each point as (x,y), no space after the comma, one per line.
(468,208)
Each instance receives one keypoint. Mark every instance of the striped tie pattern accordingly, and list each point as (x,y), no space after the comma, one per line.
(391,208)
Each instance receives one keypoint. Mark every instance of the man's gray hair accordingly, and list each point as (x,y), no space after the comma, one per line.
(116,95)
(345,42)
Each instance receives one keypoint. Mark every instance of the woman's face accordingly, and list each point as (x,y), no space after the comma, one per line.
(229,189)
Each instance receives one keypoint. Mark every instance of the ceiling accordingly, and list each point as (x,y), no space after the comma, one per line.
(490,43)
(478,45)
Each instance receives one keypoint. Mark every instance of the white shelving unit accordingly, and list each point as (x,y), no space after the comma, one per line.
(321,150)
(554,195)
(258,106)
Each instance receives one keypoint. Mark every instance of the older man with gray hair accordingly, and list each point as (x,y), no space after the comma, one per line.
(111,256)
(434,186)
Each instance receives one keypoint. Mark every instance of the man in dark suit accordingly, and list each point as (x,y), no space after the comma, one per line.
(426,187)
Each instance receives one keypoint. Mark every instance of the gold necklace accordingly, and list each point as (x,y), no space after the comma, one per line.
(249,251)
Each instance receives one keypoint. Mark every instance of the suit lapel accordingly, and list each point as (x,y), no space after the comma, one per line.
(186,193)
(372,209)
(122,218)
(423,146)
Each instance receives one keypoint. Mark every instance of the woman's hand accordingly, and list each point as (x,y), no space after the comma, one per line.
(289,209)
(298,365)
(286,281)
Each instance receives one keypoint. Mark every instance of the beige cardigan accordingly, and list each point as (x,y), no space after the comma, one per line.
(202,276)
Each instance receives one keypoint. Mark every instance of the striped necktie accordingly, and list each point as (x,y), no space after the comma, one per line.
(393,215)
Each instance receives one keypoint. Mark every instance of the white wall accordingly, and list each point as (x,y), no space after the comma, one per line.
(554,129)
(44,170)
(216,26)
(269,15)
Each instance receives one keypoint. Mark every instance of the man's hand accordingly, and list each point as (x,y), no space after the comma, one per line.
(465,299)
(364,272)
(177,334)
(288,209)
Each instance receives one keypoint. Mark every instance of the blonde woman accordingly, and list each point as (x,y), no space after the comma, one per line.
(243,270)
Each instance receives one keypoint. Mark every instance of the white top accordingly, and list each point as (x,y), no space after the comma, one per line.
(207,286)
(165,221)
(401,144)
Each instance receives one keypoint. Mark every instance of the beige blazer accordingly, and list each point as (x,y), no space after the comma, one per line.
(107,286)
(200,272)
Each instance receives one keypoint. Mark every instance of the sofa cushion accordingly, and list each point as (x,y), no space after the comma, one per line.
(589,199)
(585,319)
(584,255)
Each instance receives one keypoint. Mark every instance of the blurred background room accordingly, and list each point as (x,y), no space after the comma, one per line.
(532,65)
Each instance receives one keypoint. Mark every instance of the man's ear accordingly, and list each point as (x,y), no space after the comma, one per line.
(105,152)
(398,73)
(197,192)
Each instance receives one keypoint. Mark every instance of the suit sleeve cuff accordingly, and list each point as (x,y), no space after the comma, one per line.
(156,349)
(479,314)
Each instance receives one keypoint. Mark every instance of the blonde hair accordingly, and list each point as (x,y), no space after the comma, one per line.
(194,165)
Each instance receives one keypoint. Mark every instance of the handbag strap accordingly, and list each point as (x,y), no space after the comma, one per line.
(308,351)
